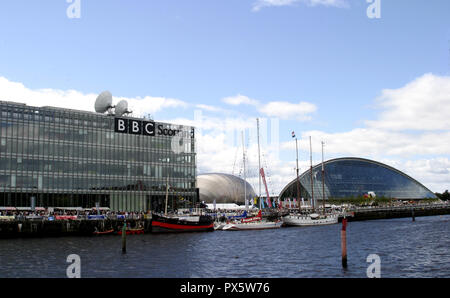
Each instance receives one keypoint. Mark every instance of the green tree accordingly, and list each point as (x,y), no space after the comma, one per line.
(443,196)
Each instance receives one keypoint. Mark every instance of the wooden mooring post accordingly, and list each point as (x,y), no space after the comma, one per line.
(124,237)
(344,242)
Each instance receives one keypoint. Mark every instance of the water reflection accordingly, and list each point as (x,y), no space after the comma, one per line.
(406,248)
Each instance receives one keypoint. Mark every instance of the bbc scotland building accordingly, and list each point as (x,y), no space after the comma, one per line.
(68,158)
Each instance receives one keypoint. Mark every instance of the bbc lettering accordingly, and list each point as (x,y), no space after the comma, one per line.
(147,128)
(134,127)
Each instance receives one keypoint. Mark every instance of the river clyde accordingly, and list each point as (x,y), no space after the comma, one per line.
(406,249)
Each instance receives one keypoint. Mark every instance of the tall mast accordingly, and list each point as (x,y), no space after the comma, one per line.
(323,181)
(298,182)
(312,185)
(167,195)
(259,161)
(245,184)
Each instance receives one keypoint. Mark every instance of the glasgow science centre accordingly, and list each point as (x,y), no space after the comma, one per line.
(56,157)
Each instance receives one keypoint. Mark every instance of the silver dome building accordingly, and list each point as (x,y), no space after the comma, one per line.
(224,188)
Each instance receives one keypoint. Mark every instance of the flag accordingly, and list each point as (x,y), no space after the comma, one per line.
(293,134)
(261,172)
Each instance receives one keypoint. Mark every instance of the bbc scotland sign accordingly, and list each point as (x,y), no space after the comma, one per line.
(147,128)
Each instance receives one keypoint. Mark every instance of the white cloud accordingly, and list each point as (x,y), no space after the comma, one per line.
(287,110)
(208,108)
(239,100)
(219,148)
(423,104)
(72,99)
(270,3)
(433,173)
(282,109)
(375,143)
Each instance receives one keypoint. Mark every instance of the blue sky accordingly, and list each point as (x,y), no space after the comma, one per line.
(328,55)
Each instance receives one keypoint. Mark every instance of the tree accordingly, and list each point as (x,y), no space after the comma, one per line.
(444,196)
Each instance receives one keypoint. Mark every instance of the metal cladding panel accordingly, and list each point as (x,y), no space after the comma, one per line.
(224,188)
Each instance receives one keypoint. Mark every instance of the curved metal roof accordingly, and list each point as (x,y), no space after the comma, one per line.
(224,188)
(305,176)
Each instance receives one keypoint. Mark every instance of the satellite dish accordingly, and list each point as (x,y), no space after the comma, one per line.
(103,102)
(122,108)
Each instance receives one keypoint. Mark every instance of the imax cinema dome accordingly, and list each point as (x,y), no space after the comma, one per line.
(224,188)
(352,177)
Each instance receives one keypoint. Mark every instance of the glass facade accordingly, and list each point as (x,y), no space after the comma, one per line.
(74,158)
(353,177)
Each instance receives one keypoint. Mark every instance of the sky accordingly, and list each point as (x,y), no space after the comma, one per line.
(371,87)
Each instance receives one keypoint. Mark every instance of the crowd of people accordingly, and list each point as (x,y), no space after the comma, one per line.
(55,214)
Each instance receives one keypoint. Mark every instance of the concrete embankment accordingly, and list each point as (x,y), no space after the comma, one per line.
(398,212)
(56,228)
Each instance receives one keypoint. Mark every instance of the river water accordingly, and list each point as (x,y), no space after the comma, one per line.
(405,248)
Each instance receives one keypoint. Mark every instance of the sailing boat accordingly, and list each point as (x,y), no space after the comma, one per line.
(219,225)
(253,223)
(311,219)
(163,223)
(256,222)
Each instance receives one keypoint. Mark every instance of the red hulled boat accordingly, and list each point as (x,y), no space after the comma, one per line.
(164,224)
(132,231)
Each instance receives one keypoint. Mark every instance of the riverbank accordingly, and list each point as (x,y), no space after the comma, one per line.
(373,213)
(87,227)
(57,228)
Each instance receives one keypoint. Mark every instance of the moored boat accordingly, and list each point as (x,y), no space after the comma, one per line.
(191,222)
(312,219)
(132,231)
(255,222)
(256,225)
(252,223)
(107,232)
(219,225)
(165,223)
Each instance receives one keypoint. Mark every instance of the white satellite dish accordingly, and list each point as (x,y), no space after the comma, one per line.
(103,102)
(122,108)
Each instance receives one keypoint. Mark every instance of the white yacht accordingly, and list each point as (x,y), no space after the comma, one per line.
(252,223)
(312,219)
(261,225)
